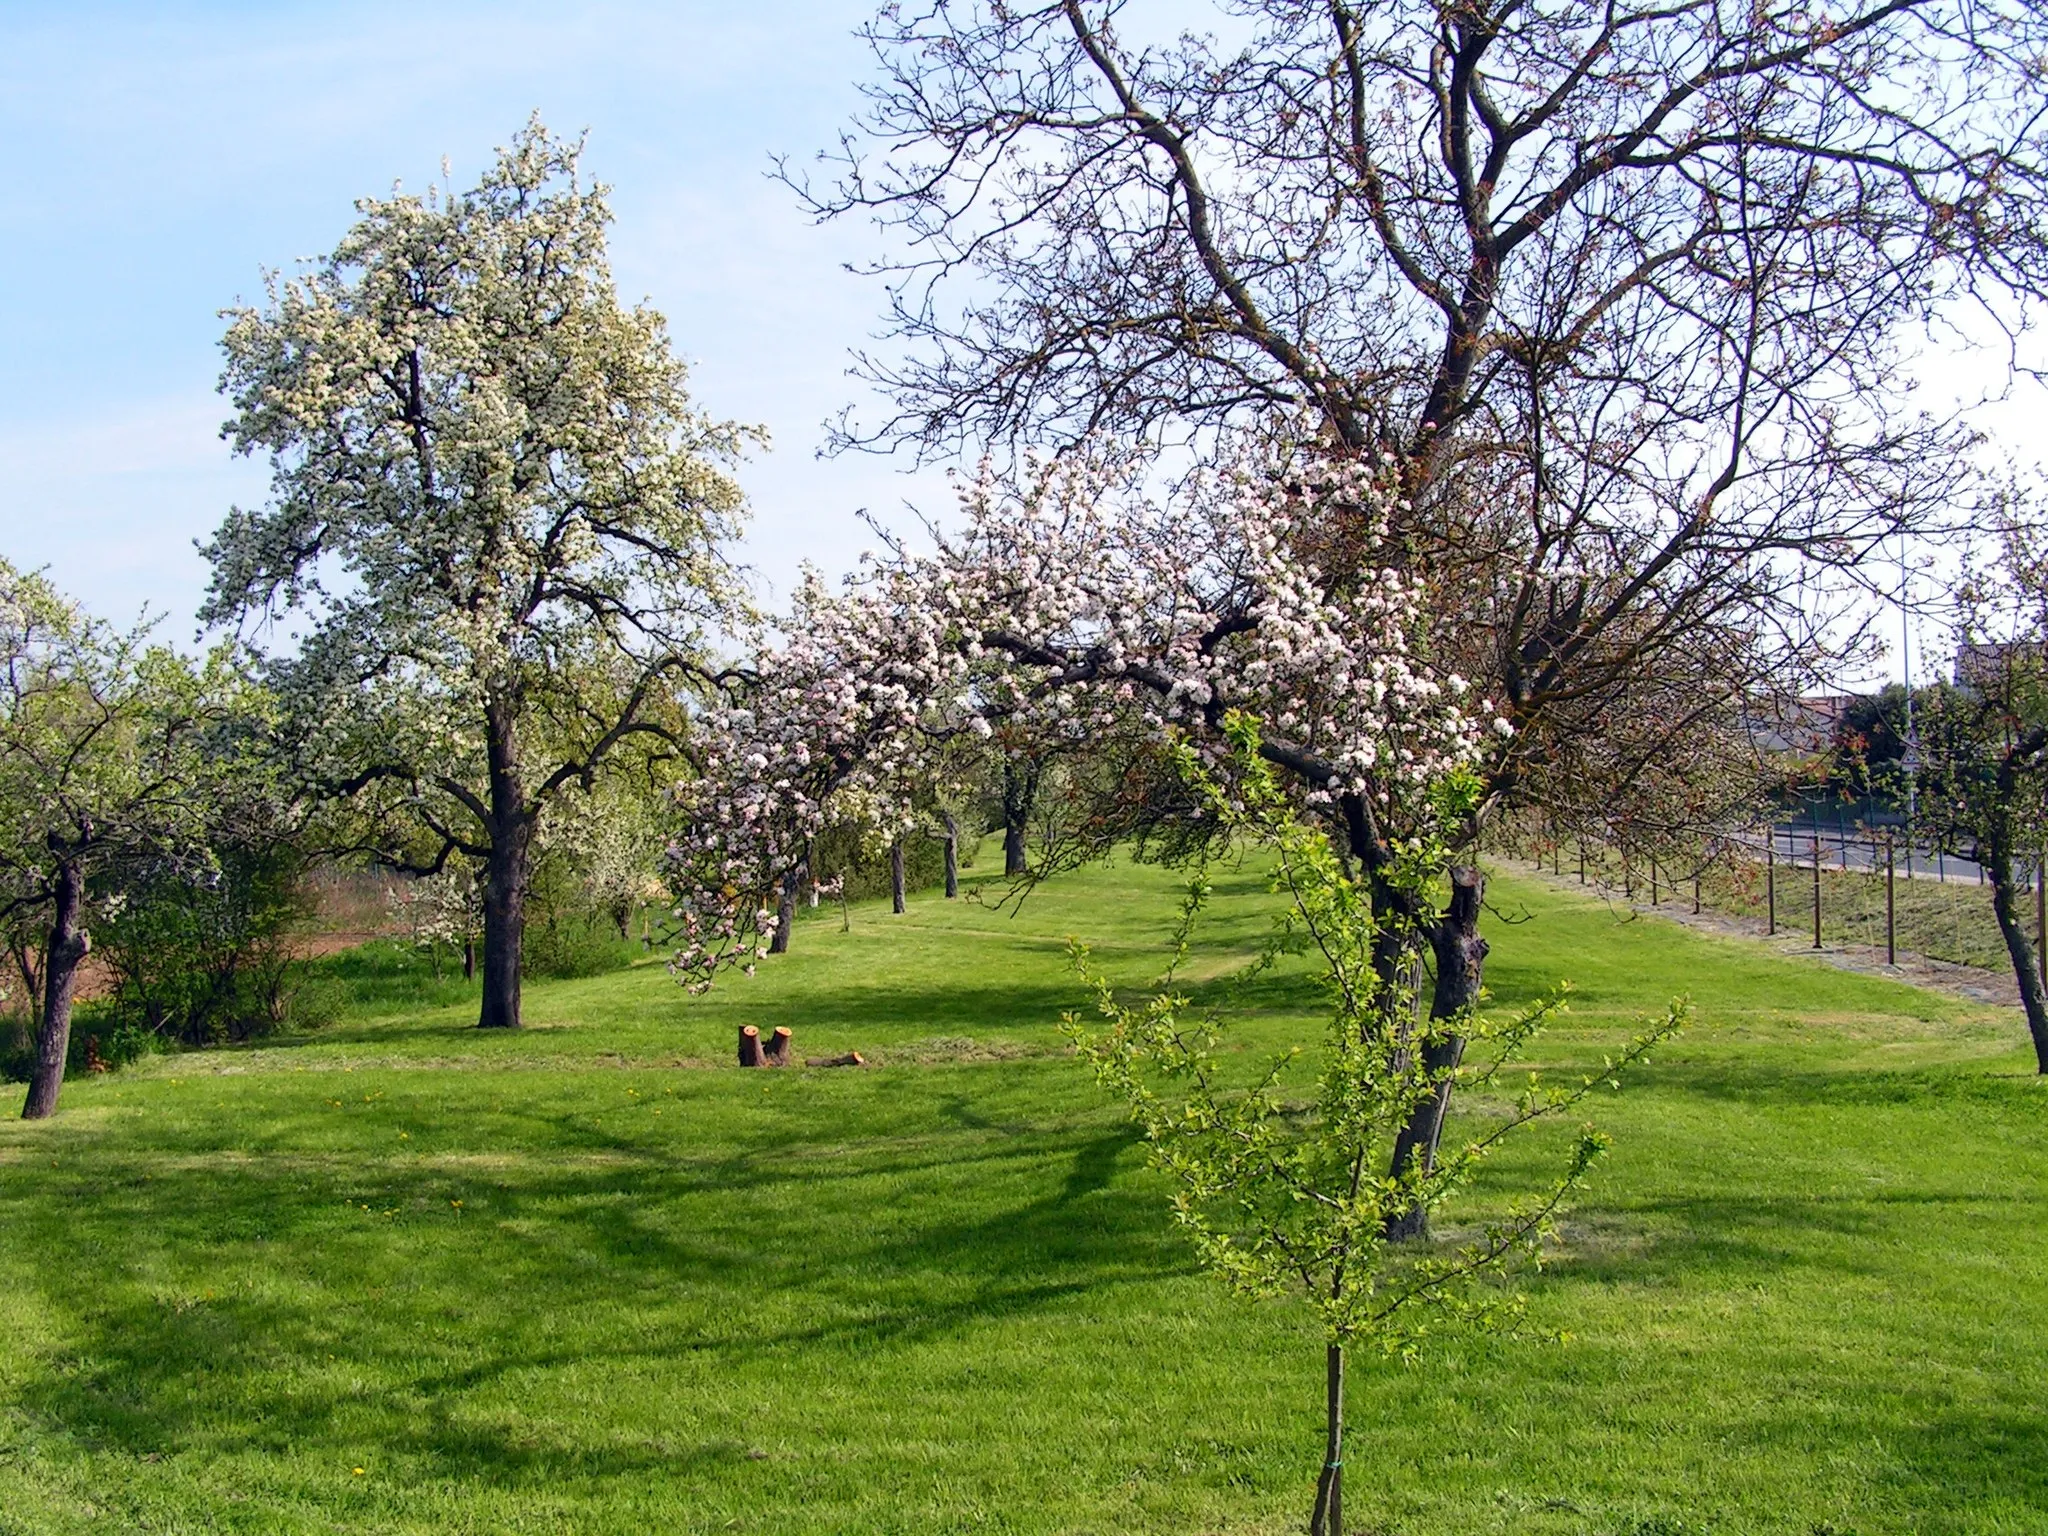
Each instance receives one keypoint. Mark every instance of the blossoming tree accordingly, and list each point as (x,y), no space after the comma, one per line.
(495,509)
(1078,607)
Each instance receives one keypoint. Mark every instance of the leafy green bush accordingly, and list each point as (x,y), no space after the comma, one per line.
(200,960)
(567,933)
(572,942)
(96,1046)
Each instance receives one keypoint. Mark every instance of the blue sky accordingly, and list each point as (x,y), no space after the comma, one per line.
(163,155)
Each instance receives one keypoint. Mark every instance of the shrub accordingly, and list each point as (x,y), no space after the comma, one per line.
(200,961)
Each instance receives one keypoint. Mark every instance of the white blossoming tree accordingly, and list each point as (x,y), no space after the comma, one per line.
(495,513)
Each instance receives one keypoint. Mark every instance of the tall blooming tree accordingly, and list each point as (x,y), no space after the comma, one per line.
(495,512)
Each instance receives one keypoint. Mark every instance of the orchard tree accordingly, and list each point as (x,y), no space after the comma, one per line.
(1980,787)
(1626,293)
(1076,609)
(1982,794)
(495,513)
(1283,1180)
(115,755)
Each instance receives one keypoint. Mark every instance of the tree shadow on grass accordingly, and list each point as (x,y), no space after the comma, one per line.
(1757,1081)
(1745,1238)
(741,1264)
(1991,1461)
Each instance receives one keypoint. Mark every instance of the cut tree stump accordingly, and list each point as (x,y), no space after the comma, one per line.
(850,1059)
(777,1048)
(750,1046)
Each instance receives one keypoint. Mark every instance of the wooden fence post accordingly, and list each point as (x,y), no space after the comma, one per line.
(1816,887)
(1891,918)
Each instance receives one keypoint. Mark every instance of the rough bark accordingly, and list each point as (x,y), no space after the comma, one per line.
(506,871)
(896,875)
(776,1051)
(750,1046)
(952,855)
(785,913)
(1328,1517)
(1460,975)
(504,928)
(1020,794)
(68,946)
(1995,859)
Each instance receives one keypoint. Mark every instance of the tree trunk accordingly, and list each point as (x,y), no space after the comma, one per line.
(1328,1518)
(505,877)
(2025,969)
(776,1051)
(785,914)
(896,874)
(504,933)
(1020,793)
(68,945)
(1460,975)
(469,957)
(952,856)
(750,1046)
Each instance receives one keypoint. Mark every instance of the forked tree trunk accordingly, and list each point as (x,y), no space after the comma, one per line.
(952,855)
(68,946)
(896,874)
(1328,1517)
(1460,974)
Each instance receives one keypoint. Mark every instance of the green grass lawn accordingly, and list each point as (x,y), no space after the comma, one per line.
(398,1276)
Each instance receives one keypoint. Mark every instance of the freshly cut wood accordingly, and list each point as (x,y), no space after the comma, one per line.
(850,1059)
(750,1046)
(777,1049)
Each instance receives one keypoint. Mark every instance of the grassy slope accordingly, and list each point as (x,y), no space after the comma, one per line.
(567,1282)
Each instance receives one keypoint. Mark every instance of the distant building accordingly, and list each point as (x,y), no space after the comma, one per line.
(1798,727)
(1988,662)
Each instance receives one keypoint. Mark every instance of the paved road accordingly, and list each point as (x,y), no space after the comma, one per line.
(1843,847)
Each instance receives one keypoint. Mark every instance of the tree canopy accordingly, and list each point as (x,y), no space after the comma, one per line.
(495,511)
